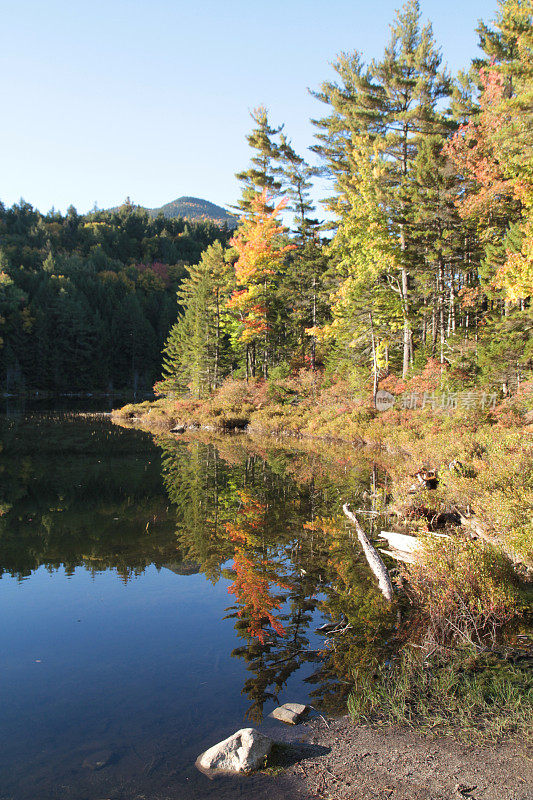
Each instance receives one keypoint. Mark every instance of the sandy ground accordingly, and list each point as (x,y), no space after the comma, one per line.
(355,763)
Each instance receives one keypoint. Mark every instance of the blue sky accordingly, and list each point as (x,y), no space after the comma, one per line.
(151,99)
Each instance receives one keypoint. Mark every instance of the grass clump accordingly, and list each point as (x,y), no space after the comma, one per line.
(470,694)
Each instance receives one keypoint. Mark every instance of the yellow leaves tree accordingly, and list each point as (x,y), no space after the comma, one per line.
(261,249)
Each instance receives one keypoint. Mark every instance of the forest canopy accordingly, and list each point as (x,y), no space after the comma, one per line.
(427,262)
(87,301)
(424,265)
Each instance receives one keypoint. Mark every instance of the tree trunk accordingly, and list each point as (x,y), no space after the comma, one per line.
(217,343)
(313,340)
(441,311)
(375,561)
(374,360)
(406,328)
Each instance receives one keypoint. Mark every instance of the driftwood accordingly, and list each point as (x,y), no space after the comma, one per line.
(401,541)
(398,555)
(375,561)
(403,546)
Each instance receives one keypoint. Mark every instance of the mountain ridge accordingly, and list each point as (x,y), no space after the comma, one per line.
(195,208)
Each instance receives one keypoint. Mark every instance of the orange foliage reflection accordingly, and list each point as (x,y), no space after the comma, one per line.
(251,586)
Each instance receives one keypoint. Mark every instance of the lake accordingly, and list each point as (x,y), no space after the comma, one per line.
(156,596)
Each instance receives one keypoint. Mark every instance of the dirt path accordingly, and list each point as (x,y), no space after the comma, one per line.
(361,763)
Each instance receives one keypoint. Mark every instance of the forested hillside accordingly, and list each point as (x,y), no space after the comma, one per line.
(87,301)
(194,208)
(424,267)
(427,267)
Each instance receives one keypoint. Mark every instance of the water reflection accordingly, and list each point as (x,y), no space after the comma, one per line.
(275,515)
(259,556)
(78,492)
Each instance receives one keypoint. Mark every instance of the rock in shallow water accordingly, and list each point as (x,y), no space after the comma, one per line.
(291,713)
(284,715)
(245,751)
(296,708)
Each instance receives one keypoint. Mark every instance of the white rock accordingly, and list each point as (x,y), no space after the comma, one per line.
(289,713)
(284,715)
(245,751)
(296,708)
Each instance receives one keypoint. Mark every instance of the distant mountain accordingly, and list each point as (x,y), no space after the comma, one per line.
(195,208)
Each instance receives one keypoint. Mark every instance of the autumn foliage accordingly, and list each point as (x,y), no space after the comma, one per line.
(260,250)
(251,586)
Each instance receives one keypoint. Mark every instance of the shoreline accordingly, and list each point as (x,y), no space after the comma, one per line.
(368,760)
(408,441)
(340,760)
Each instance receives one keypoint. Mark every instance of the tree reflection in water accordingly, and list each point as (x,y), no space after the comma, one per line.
(264,517)
(76,491)
(275,514)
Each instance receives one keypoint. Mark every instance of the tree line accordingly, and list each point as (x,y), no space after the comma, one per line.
(87,300)
(426,259)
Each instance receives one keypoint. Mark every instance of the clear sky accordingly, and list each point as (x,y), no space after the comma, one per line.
(151,98)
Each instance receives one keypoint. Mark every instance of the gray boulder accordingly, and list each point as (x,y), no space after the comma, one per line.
(245,751)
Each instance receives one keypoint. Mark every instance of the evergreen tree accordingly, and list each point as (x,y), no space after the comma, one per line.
(197,352)
(301,287)
(383,114)
(262,174)
(295,176)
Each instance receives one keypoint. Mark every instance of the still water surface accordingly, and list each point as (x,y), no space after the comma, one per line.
(155,597)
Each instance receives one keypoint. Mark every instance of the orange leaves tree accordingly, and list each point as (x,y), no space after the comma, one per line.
(474,152)
(261,248)
(493,152)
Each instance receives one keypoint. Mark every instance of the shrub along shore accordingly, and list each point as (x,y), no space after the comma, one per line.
(471,587)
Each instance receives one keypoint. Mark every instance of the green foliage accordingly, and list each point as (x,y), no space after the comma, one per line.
(474,696)
(197,352)
(86,302)
(261,175)
(505,350)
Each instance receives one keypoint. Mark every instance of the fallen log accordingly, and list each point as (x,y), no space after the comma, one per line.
(404,546)
(398,555)
(401,541)
(375,561)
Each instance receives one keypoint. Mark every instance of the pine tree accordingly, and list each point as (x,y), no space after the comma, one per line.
(262,174)
(386,111)
(295,178)
(197,350)
(301,287)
